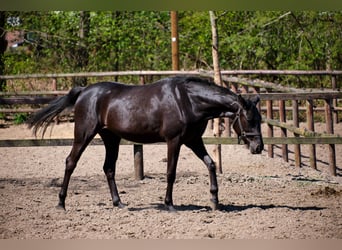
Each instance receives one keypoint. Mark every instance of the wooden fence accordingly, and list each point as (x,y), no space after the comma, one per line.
(272,94)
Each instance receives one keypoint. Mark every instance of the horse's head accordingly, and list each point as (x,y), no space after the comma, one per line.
(247,124)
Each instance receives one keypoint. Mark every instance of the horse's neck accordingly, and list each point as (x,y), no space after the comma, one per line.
(216,104)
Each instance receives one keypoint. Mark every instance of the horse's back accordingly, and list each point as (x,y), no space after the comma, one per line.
(142,113)
(138,113)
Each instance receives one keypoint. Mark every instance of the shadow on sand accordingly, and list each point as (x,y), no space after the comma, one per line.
(226,208)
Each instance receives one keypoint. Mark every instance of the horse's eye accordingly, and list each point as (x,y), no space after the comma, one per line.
(250,117)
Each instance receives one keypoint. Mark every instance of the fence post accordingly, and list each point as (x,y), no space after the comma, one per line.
(282,116)
(311,126)
(233,88)
(269,115)
(334,87)
(138,153)
(138,161)
(54,84)
(217,152)
(226,132)
(330,130)
(295,119)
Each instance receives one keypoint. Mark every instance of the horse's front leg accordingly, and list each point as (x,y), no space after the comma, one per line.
(173,148)
(197,146)
(213,181)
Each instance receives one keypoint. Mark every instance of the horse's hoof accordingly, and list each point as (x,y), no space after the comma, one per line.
(60,207)
(215,206)
(119,205)
(170,208)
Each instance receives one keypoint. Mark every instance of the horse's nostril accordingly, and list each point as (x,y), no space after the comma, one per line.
(258,149)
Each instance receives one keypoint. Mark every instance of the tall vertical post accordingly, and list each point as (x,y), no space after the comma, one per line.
(138,161)
(81,55)
(330,130)
(269,115)
(139,153)
(233,87)
(282,116)
(218,81)
(334,87)
(54,84)
(311,126)
(295,118)
(174,40)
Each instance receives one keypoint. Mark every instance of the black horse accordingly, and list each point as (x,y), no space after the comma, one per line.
(174,110)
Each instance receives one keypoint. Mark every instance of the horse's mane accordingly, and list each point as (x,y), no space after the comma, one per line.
(198,79)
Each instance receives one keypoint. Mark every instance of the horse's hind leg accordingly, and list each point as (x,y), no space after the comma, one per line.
(111,143)
(173,149)
(197,146)
(81,141)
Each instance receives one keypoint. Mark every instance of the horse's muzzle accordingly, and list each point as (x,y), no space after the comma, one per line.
(256,148)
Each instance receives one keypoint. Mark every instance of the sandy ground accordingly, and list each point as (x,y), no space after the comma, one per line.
(261,197)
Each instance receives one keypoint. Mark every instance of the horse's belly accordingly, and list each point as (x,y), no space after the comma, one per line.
(141,132)
(144,122)
(143,138)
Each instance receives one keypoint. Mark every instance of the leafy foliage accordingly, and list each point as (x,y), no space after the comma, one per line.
(20,118)
(140,40)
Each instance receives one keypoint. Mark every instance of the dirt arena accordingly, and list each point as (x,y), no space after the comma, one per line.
(261,198)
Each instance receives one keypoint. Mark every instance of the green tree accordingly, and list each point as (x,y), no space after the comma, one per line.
(140,40)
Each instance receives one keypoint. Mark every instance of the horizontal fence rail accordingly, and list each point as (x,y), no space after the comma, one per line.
(206,140)
(173,72)
(274,100)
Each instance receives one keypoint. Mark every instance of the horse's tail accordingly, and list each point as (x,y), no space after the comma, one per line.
(43,117)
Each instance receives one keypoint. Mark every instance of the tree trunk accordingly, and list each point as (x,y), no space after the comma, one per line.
(218,81)
(82,55)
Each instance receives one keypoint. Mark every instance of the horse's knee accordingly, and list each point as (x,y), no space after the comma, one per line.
(109,172)
(211,168)
(70,165)
(210,164)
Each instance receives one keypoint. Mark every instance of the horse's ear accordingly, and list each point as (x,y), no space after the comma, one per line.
(255,99)
(243,102)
